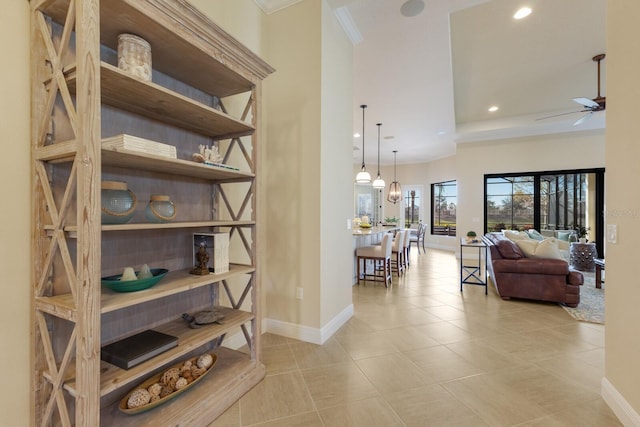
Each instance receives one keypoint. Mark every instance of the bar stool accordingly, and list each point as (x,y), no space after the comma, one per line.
(381,257)
(397,252)
(407,245)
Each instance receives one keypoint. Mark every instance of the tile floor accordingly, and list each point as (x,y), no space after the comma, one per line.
(424,354)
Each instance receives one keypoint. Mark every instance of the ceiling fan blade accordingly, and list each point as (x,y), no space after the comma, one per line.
(583,118)
(561,114)
(589,103)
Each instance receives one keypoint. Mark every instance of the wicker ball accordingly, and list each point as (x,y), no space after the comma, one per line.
(139,397)
(170,377)
(181,383)
(205,361)
(154,389)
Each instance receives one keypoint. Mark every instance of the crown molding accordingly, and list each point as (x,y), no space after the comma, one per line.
(348,25)
(271,6)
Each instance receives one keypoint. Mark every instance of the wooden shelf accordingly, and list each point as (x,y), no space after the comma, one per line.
(72,229)
(233,373)
(159,103)
(185,55)
(113,378)
(174,282)
(149,162)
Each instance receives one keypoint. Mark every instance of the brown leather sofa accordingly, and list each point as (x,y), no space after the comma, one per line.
(516,276)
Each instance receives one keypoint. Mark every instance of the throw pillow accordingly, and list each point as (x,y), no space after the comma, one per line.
(515,235)
(564,235)
(547,248)
(509,250)
(535,234)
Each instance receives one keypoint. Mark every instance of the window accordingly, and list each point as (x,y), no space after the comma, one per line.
(546,201)
(444,201)
(412,204)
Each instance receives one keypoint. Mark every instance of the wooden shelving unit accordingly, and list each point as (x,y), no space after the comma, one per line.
(79,97)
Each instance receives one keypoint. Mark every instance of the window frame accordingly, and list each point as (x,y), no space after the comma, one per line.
(438,229)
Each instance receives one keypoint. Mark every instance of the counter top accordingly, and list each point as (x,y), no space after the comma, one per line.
(357,231)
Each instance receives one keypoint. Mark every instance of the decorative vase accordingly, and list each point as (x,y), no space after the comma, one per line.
(118,202)
(582,240)
(160,209)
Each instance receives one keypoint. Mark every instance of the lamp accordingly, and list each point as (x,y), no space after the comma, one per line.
(395,192)
(378,182)
(363,176)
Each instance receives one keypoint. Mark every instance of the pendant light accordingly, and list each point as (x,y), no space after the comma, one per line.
(378,182)
(363,176)
(395,192)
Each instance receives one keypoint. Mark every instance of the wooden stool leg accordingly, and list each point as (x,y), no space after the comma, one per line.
(598,276)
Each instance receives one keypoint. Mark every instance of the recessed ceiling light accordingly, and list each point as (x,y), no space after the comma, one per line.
(441,132)
(493,108)
(389,137)
(523,12)
(356,135)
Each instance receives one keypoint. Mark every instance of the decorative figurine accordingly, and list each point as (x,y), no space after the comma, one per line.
(202,258)
(207,155)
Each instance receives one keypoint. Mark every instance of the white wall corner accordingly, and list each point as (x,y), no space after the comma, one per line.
(306,333)
(271,6)
(625,412)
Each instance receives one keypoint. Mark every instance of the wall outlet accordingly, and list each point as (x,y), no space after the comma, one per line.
(299,293)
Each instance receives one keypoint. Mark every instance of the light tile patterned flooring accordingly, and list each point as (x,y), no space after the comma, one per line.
(424,354)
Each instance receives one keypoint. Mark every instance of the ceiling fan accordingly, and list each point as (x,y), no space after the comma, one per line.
(590,105)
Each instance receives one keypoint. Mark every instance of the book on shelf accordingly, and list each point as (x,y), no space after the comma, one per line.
(138,348)
(221,165)
(134,143)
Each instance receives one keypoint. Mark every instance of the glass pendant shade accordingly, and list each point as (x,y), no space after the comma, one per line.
(379,183)
(363,176)
(395,191)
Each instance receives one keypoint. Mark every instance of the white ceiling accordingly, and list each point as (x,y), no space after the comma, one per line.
(430,79)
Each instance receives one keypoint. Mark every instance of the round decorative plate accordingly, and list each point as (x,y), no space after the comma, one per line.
(115,284)
(156,378)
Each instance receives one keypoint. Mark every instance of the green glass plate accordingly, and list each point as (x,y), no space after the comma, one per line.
(114,283)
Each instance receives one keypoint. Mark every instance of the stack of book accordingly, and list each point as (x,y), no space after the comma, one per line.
(126,142)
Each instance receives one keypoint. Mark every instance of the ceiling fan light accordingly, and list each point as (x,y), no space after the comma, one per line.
(523,12)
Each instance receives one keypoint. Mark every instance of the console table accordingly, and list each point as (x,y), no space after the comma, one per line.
(581,256)
(473,274)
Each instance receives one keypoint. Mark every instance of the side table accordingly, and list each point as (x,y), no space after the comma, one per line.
(599,262)
(581,256)
(475,274)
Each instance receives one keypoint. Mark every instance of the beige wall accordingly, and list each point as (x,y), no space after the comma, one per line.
(622,343)
(15,214)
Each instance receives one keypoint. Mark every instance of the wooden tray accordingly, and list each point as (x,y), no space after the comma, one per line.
(155,379)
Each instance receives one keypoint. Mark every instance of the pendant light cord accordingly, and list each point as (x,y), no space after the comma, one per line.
(379,124)
(363,107)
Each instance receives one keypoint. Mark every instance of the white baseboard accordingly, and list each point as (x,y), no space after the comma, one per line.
(306,333)
(627,415)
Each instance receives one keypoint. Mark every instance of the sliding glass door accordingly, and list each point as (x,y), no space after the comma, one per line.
(547,201)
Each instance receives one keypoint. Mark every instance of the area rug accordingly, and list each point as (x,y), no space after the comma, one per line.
(591,307)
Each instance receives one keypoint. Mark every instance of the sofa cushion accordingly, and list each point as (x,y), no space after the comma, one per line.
(515,235)
(564,235)
(537,266)
(547,248)
(509,250)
